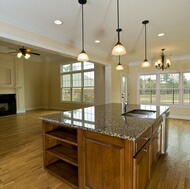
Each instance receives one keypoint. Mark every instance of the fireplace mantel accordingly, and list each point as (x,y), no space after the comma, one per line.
(12,79)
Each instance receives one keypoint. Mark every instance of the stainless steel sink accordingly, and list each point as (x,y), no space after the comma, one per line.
(139,113)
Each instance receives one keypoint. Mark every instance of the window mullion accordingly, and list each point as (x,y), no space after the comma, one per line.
(82,86)
(181,87)
(157,89)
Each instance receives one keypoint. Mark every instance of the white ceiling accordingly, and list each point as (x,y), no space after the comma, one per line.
(171,17)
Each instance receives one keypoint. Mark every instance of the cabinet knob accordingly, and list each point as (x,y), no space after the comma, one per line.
(145,150)
(145,138)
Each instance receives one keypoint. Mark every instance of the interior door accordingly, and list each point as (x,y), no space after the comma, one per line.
(124,88)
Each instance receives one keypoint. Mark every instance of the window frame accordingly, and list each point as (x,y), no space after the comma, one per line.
(71,72)
(147,74)
(184,88)
(181,88)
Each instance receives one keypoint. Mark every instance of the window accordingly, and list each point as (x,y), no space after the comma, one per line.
(186,88)
(147,89)
(77,82)
(165,88)
(169,88)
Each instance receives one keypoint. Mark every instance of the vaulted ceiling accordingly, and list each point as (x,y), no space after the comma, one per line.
(37,17)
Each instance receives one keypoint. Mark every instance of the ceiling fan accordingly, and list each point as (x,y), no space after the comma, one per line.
(25,52)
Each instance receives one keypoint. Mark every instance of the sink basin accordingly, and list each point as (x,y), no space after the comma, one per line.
(139,113)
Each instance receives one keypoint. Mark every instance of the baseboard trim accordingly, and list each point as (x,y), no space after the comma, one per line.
(179,117)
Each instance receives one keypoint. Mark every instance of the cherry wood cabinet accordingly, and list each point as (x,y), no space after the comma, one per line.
(104,162)
(155,147)
(90,160)
(61,152)
(142,168)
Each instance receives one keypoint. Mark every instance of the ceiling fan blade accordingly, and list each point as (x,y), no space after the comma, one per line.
(13,52)
(33,53)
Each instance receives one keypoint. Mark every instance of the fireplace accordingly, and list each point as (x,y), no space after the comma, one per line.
(7,104)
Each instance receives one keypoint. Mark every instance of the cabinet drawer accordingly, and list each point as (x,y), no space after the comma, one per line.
(157,124)
(142,168)
(139,143)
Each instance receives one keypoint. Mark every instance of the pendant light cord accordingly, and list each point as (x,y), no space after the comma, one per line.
(145,22)
(145,45)
(118,29)
(82,29)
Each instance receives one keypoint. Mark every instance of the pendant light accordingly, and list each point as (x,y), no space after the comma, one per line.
(146,63)
(119,66)
(82,57)
(118,49)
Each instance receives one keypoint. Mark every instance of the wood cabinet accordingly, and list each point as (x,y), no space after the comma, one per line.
(104,161)
(155,145)
(61,152)
(142,168)
(90,160)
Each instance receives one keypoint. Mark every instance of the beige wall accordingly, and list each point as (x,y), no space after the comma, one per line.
(116,78)
(134,71)
(33,84)
(42,85)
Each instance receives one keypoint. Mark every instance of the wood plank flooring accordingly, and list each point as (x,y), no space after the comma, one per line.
(21,163)
(21,159)
(173,168)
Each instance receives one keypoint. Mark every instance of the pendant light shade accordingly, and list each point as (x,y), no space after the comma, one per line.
(119,66)
(118,49)
(145,63)
(82,57)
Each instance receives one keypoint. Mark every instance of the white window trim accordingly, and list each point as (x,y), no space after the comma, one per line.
(82,85)
(181,105)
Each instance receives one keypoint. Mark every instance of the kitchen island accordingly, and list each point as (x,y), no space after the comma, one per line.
(104,147)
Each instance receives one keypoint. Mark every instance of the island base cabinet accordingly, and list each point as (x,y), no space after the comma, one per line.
(102,160)
(60,152)
(155,148)
(141,162)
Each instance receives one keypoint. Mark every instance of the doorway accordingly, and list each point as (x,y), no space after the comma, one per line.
(124,92)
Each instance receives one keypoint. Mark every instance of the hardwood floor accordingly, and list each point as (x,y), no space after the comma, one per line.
(21,165)
(173,168)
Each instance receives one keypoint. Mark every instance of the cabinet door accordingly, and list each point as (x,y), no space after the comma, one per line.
(102,162)
(142,168)
(155,148)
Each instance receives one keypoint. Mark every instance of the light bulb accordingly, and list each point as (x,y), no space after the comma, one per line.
(19,55)
(27,56)
(168,61)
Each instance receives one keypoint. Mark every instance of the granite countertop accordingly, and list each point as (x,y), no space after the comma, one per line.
(107,119)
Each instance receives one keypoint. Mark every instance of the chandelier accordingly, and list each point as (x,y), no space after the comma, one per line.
(163,62)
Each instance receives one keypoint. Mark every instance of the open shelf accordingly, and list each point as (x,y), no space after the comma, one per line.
(61,152)
(64,171)
(64,134)
(65,152)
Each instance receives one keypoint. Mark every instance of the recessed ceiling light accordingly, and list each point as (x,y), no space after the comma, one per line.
(161,34)
(58,22)
(97,41)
